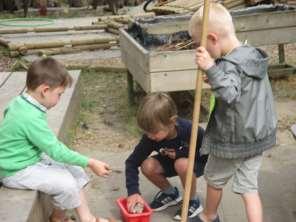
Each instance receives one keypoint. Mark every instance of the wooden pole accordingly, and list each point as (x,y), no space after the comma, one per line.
(196,112)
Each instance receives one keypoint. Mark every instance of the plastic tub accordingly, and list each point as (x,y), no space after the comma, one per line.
(128,217)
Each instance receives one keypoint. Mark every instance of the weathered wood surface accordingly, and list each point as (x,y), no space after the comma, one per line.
(174,81)
(158,71)
(171,61)
(175,70)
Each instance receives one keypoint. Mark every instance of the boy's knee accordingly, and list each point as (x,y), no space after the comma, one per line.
(148,167)
(68,187)
(181,166)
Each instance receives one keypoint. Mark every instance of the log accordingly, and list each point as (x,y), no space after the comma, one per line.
(112,30)
(122,20)
(114,25)
(112,17)
(4,42)
(53,29)
(54,44)
(62,50)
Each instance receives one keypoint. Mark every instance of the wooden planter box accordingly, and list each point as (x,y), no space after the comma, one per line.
(176,70)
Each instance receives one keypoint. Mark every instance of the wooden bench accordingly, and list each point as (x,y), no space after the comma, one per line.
(25,205)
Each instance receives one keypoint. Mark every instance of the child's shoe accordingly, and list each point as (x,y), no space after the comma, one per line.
(162,200)
(197,219)
(194,209)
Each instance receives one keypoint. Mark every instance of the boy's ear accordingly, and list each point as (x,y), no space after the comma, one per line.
(174,119)
(212,37)
(43,89)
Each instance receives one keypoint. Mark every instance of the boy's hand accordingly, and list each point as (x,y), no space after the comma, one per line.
(99,168)
(132,200)
(203,59)
(170,153)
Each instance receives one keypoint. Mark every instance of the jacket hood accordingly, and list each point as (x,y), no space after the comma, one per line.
(253,61)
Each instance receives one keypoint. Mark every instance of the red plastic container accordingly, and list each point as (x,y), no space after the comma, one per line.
(127,217)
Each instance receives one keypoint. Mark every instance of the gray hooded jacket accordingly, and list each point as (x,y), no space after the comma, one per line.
(243,122)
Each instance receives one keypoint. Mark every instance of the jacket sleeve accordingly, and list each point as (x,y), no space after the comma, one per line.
(133,162)
(42,137)
(226,82)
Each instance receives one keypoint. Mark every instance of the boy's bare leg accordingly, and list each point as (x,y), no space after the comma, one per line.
(253,207)
(83,211)
(57,215)
(153,171)
(213,199)
(181,166)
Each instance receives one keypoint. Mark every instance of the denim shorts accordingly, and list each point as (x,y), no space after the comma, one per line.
(244,172)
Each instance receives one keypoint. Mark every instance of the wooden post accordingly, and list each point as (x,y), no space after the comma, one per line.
(196,112)
(130,88)
(281,52)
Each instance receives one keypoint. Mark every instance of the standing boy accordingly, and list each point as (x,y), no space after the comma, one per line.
(243,123)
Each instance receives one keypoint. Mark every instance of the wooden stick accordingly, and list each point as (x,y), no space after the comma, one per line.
(195,121)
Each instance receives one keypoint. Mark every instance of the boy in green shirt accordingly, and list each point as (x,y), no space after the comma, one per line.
(25,137)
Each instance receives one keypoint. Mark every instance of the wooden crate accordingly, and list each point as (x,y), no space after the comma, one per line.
(158,71)
(176,70)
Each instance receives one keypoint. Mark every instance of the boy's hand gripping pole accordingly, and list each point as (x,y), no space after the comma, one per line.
(196,112)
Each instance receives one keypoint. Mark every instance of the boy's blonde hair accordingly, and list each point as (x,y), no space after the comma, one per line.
(47,71)
(220,20)
(156,110)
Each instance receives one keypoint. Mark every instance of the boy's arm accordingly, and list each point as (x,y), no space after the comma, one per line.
(42,137)
(134,161)
(226,84)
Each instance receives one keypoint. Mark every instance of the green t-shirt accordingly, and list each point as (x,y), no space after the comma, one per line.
(25,135)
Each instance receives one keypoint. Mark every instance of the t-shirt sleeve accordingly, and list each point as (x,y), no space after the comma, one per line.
(43,138)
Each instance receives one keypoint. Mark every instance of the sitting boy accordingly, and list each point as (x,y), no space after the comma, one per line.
(25,137)
(169,136)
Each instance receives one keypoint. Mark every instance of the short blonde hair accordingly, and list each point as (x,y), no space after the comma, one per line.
(156,111)
(220,20)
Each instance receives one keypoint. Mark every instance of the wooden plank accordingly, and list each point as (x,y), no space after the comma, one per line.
(260,21)
(140,76)
(3,77)
(167,27)
(269,37)
(137,52)
(174,81)
(172,60)
(136,59)
(11,88)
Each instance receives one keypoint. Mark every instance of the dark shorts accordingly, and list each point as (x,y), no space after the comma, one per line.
(169,168)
